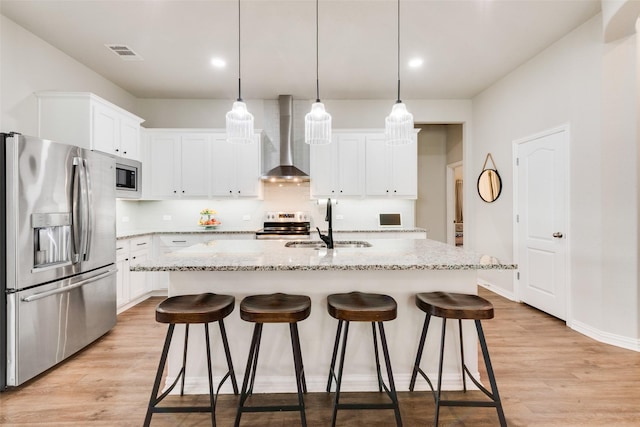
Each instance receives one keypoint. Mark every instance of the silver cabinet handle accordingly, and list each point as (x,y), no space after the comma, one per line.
(557,235)
(45,294)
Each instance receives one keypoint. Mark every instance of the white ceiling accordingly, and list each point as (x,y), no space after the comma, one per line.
(466,45)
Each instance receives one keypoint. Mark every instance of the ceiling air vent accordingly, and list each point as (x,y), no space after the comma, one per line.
(124,52)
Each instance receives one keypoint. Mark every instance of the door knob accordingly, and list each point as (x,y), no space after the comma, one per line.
(557,235)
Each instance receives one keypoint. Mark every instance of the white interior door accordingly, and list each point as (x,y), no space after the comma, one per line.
(541,220)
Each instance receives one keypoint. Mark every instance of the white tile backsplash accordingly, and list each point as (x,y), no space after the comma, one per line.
(177,215)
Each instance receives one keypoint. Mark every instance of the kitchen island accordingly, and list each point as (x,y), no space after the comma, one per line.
(397,267)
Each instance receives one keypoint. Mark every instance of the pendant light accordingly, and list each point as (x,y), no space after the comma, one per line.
(317,123)
(239,120)
(398,126)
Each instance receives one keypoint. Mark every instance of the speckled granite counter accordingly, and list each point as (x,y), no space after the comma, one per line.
(272,255)
(397,267)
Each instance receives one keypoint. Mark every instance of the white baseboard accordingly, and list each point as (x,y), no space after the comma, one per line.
(605,337)
(497,290)
(583,328)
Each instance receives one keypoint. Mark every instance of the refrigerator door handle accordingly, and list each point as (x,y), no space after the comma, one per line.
(80,205)
(41,295)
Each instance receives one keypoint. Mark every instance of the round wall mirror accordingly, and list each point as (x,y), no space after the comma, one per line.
(489,185)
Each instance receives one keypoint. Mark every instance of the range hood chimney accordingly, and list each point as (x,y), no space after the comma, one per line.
(286,172)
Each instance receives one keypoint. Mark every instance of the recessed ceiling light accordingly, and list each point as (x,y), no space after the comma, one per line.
(416,62)
(218,62)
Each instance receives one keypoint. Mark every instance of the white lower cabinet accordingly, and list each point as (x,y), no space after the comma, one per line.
(122,282)
(132,286)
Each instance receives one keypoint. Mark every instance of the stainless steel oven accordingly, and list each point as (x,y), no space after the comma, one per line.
(285,225)
(128,178)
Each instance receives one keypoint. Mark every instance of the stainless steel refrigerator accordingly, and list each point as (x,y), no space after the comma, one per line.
(58,253)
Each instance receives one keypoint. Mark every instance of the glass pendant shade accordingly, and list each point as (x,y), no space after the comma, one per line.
(239,124)
(398,126)
(317,125)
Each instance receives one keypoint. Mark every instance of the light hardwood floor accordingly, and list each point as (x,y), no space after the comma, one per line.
(548,375)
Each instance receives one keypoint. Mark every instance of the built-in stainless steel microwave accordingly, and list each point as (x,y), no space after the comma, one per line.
(128,179)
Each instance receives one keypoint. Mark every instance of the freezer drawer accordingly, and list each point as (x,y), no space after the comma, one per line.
(48,323)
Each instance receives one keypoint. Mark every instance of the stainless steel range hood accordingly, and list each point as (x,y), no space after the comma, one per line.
(286,172)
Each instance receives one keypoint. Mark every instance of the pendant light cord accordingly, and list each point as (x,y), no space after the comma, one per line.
(398,100)
(317,58)
(239,56)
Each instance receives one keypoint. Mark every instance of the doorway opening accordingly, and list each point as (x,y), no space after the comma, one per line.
(440,146)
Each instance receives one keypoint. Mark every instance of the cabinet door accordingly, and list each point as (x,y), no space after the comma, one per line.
(404,170)
(377,174)
(105,132)
(248,162)
(223,165)
(349,158)
(164,163)
(122,277)
(194,165)
(138,280)
(321,168)
(129,145)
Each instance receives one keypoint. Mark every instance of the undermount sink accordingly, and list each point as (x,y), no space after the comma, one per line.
(321,245)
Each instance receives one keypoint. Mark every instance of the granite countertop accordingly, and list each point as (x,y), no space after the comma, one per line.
(138,233)
(272,255)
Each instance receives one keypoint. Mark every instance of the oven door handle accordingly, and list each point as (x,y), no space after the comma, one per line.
(45,294)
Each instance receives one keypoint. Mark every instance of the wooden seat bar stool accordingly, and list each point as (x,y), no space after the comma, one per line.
(187,309)
(274,308)
(457,306)
(362,307)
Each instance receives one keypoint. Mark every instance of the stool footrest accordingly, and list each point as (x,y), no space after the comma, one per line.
(366,406)
(180,409)
(271,408)
(482,403)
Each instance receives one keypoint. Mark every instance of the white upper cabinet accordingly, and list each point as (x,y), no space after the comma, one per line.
(199,163)
(88,121)
(337,169)
(235,168)
(176,165)
(391,170)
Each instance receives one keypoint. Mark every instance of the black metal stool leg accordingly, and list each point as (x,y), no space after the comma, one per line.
(211,396)
(255,360)
(387,360)
(416,365)
(297,361)
(462,366)
(156,383)
(333,358)
(492,379)
(302,378)
(184,358)
(227,353)
(247,374)
(440,363)
(339,377)
(375,351)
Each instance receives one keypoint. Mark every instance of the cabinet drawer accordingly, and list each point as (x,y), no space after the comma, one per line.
(122,249)
(179,240)
(140,243)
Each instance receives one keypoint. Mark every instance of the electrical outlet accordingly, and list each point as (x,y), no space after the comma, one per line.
(246,217)
(125,219)
(166,217)
(339,216)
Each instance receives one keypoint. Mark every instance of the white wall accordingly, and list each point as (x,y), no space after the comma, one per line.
(29,64)
(570,82)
